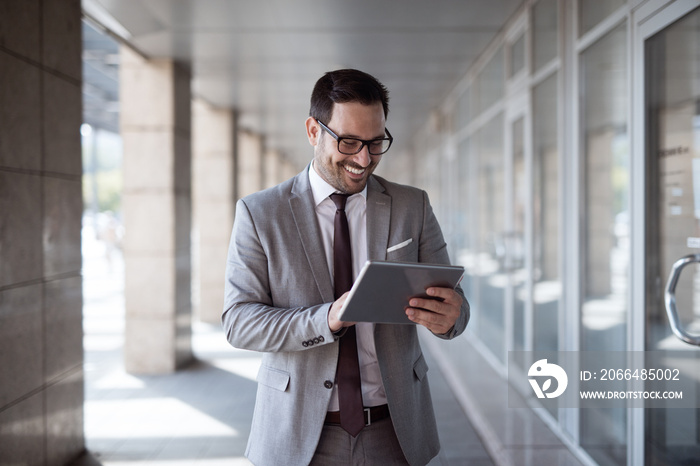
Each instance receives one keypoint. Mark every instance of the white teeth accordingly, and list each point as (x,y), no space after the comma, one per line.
(355,171)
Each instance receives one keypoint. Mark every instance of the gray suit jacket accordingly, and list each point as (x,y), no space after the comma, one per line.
(278,293)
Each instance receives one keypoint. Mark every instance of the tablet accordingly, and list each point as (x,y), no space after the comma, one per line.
(382,290)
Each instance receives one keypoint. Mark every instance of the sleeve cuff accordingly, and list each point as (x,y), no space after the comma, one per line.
(339,333)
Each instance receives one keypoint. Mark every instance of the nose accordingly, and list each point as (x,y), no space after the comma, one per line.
(363,158)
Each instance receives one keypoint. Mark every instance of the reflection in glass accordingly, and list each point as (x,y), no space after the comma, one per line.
(517,56)
(463,110)
(546,281)
(491,81)
(605,259)
(464,226)
(544,32)
(546,278)
(591,13)
(492,276)
(673,220)
(515,239)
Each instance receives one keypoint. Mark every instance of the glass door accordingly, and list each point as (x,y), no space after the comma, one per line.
(492,276)
(515,238)
(605,241)
(672,230)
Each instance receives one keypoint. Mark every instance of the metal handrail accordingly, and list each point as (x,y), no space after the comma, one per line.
(670,299)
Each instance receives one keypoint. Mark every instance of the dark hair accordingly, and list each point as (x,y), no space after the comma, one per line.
(341,86)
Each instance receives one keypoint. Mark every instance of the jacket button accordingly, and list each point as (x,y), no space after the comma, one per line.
(316,341)
(305,344)
(321,339)
(328,384)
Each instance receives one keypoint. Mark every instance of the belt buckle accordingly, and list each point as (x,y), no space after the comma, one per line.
(369,417)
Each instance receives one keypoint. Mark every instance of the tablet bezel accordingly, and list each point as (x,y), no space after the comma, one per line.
(382,290)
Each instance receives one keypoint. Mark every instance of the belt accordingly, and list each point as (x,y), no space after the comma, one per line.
(373,414)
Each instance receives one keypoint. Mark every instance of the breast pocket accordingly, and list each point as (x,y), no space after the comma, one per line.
(273,378)
(420,368)
(405,251)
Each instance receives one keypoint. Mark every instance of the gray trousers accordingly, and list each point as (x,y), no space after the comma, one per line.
(376,444)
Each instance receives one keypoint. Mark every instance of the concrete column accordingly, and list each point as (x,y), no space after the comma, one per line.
(288,169)
(213,138)
(272,161)
(155,126)
(41,356)
(249,162)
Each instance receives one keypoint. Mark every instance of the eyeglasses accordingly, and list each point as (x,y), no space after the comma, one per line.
(351,146)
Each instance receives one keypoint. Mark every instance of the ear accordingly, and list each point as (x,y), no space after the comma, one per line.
(313,131)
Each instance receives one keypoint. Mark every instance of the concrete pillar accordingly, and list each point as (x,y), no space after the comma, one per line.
(41,356)
(249,163)
(155,127)
(213,138)
(272,168)
(288,169)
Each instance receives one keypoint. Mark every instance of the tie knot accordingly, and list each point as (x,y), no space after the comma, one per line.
(339,200)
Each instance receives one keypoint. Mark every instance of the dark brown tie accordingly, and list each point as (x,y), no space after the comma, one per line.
(352,417)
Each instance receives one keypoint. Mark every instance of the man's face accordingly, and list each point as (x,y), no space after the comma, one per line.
(347,173)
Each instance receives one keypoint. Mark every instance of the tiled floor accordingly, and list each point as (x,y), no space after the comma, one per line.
(512,436)
(199,415)
(460,442)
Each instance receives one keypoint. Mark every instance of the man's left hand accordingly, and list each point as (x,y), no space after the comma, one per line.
(435,315)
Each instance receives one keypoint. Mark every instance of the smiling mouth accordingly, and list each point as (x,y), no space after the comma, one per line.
(354,171)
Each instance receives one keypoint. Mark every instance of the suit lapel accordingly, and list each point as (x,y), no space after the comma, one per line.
(304,212)
(378,220)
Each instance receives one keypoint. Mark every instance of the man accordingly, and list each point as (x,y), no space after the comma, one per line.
(283,296)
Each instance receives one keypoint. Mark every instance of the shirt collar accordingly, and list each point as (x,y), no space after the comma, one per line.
(322,190)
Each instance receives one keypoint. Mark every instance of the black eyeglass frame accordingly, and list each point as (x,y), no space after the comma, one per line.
(364,143)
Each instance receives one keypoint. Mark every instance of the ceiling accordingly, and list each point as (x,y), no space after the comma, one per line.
(262,57)
(100,80)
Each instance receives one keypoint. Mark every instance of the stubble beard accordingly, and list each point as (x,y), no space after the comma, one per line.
(334,173)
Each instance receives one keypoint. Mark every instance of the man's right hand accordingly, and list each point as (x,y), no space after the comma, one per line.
(333,322)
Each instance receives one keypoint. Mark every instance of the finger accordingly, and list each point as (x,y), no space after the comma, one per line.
(436,323)
(448,295)
(334,322)
(341,301)
(423,317)
(414,316)
(432,305)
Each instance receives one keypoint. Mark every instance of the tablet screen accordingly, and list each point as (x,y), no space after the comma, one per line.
(383,289)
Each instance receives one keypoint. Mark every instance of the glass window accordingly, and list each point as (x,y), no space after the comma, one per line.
(517,56)
(428,173)
(473,100)
(546,279)
(590,13)
(515,239)
(544,32)
(492,273)
(463,110)
(464,244)
(491,81)
(673,221)
(605,259)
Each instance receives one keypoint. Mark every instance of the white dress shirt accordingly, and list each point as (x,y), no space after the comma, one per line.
(356,211)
